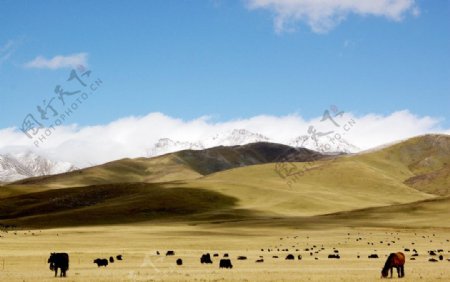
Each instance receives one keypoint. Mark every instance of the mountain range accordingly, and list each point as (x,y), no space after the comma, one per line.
(257,183)
(16,166)
(242,136)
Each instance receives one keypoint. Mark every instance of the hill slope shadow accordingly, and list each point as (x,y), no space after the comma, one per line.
(109,204)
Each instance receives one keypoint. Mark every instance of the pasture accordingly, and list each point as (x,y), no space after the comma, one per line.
(23,256)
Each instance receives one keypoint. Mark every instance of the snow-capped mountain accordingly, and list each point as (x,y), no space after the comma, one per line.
(243,136)
(236,137)
(16,166)
(166,145)
(230,138)
(324,144)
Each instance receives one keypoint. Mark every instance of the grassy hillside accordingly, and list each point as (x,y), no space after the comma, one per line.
(372,179)
(406,173)
(108,204)
(223,158)
(422,162)
(325,188)
(183,165)
(431,213)
(159,169)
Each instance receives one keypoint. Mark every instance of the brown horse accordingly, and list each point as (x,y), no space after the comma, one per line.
(396,260)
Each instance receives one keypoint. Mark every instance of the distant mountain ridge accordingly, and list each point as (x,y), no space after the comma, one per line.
(222,158)
(243,137)
(16,166)
(181,165)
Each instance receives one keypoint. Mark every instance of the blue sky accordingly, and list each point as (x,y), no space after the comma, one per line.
(224,59)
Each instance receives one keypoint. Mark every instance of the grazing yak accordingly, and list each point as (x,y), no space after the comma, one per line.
(179,261)
(119,257)
(101,262)
(225,263)
(242,258)
(334,256)
(206,258)
(290,257)
(59,260)
(170,253)
(372,256)
(111,259)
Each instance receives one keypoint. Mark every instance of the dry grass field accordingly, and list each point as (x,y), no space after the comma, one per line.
(23,256)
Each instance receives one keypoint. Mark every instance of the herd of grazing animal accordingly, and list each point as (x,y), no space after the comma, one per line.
(61,261)
(393,260)
(104,262)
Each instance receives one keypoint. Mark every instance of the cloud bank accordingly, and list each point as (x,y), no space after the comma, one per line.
(323,15)
(58,62)
(135,136)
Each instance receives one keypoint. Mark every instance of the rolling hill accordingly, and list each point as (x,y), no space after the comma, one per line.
(242,183)
(182,165)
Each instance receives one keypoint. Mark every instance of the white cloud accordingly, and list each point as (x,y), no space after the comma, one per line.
(134,136)
(323,15)
(58,62)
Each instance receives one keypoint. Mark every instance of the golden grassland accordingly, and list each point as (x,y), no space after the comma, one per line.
(23,256)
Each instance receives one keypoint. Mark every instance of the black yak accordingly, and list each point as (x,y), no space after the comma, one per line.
(206,258)
(290,257)
(334,256)
(101,262)
(225,263)
(59,260)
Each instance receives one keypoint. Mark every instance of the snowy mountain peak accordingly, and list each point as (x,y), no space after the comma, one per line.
(230,138)
(243,136)
(238,137)
(324,144)
(16,166)
(167,145)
